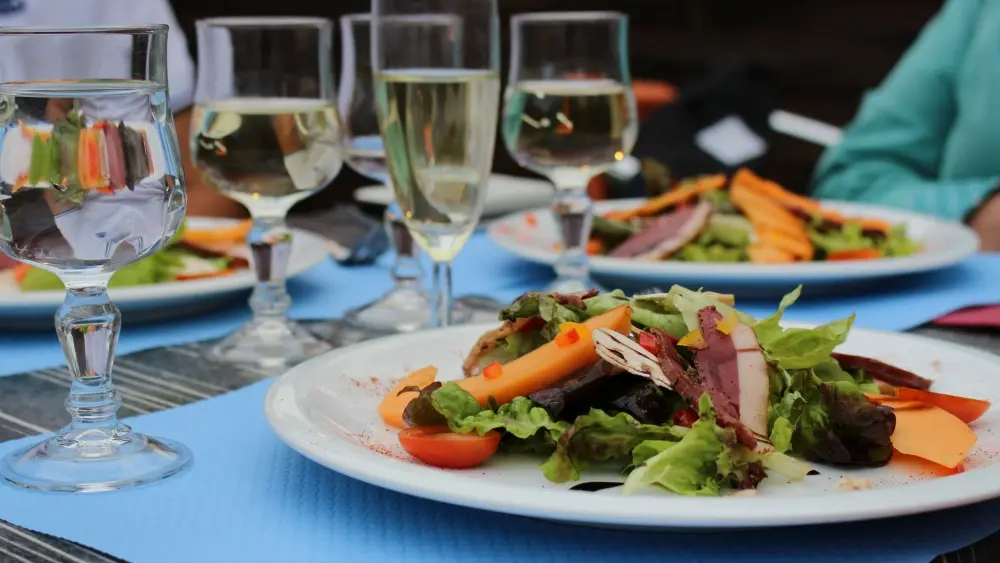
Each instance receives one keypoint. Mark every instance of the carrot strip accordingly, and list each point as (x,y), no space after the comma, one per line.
(965,408)
(801,249)
(392,406)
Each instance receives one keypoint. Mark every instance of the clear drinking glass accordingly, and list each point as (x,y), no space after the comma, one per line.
(90,181)
(437,93)
(266,133)
(569,114)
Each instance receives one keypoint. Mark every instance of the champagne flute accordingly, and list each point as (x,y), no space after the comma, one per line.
(90,181)
(405,307)
(569,114)
(266,133)
(437,92)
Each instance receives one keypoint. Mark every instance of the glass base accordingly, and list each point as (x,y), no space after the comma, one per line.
(95,461)
(270,344)
(402,309)
(572,285)
(406,309)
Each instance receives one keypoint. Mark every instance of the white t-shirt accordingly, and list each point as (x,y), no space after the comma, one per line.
(81,13)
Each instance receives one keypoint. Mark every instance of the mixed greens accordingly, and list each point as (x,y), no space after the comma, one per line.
(692,396)
(743,219)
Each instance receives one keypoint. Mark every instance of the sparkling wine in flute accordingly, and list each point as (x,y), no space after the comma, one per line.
(568,130)
(84,177)
(267,153)
(439,127)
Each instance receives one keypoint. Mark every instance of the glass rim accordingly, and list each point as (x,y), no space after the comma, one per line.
(417,19)
(557,17)
(264,22)
(154,29)
(358,17)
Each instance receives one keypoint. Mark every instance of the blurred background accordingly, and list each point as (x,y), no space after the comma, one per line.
(818,57)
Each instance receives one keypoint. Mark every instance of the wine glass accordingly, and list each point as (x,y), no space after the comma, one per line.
(569,114)
(437,92)
(266,133)
(405,307)
(90,181)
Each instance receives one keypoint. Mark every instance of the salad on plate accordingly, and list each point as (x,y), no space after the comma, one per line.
(744,218)
(680,390)
(192,254)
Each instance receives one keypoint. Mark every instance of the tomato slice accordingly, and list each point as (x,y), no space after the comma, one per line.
(440,447)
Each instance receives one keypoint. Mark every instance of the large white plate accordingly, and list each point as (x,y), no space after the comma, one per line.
(945,244)
(35,309)
(325,409)
(504,194)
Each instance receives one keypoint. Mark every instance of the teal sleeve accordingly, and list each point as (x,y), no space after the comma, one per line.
(891,153)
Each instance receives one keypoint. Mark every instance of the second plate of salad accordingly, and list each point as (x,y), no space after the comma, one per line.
(745,234)
(207,263)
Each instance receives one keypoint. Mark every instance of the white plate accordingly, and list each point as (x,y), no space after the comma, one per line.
(504,194)
(325,409)
(945,244)
(144,303)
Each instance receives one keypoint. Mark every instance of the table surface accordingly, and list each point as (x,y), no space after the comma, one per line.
(169,377)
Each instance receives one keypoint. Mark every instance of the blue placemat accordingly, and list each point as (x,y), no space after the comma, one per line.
(249,498)
(482,268)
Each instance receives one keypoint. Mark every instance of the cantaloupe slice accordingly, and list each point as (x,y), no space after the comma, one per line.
(229,234)
(392,406)
(765,254)
(681,194)
(801,249)
(548,364)
(773,191)
(931,433)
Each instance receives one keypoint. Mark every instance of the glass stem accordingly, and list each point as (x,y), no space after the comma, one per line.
(270,242)
(574,213)
(406,270)
(88,325)
(441,307)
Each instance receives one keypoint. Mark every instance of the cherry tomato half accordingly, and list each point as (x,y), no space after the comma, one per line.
(685,417)
(440,447)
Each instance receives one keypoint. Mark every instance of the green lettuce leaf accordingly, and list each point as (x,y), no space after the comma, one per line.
(545,306)
(513,347)
(770,328)
(688,302)
(604,302)
(898,243)
(704,460)
(156,268)
(802,348)
(598,436)
(846,238)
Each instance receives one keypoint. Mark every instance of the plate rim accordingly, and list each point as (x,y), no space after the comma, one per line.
(368,189)
(29,300)
(649,512)
(735,273)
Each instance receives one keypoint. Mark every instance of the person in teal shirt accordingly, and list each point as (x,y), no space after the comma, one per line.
(928,138)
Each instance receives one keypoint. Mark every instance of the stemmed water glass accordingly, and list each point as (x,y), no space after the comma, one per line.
(569,114)
(266,133)
(437,93)
(90,181)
